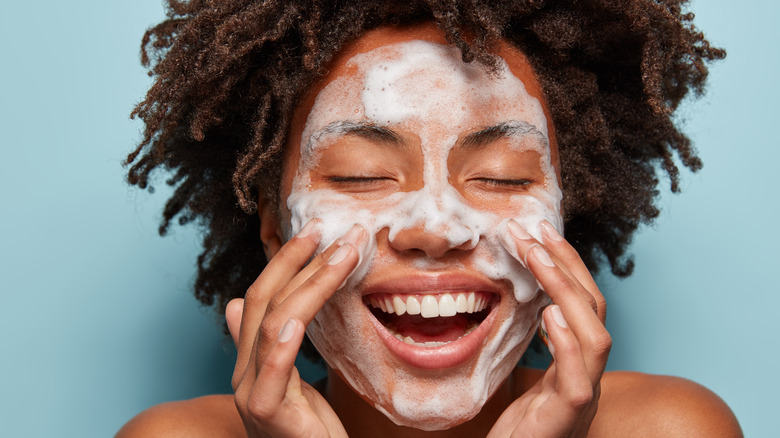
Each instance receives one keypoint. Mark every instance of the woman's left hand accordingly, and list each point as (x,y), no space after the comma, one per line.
(564,401)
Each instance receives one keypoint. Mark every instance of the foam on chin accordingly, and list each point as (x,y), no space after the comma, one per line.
(421,86)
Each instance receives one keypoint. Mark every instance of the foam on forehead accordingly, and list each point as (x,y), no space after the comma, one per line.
(421,80)
(424,80)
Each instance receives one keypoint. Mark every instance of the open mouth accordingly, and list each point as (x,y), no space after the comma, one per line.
(432,319)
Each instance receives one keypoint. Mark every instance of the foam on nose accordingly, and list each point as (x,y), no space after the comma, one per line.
(441,216)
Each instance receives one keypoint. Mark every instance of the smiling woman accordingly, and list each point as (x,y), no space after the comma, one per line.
(422,150)
(410,204)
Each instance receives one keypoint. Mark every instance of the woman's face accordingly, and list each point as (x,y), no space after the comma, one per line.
(432,156)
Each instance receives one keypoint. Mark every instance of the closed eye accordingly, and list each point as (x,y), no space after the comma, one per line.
(357,179)
(366,187)
(504,182)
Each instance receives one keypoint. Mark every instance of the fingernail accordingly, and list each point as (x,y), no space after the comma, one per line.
(550,231)
(307,229)
(287,331)
(557,315)
(542,256)
(355,235)
(339,255)
(517,230)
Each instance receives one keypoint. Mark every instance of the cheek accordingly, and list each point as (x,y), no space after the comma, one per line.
(497,257)
(337,212)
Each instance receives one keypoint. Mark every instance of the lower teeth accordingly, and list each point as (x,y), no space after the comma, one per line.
(410,341)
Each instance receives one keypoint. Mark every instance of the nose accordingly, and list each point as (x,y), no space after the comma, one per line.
(434,245)
(436,222)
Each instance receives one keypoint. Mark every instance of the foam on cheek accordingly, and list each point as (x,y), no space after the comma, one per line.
(426,89)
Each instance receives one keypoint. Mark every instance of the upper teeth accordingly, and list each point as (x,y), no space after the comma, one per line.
(429,306)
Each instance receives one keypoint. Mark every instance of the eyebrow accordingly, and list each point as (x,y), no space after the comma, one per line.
(502,130)
(379,134)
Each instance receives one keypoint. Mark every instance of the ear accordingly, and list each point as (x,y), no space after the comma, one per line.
(270,229)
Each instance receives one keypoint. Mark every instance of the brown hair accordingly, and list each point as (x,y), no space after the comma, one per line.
(228,75)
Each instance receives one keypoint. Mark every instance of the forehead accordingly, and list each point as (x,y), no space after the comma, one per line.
(432,76)
(420,85)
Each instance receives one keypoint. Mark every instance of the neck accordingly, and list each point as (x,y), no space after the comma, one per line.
(362,419)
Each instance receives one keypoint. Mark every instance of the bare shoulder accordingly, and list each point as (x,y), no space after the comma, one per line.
(644,405)
(208,416)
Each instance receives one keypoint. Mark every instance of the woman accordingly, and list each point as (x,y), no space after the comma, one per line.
(424,160)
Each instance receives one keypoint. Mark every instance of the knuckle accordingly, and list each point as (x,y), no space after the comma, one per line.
(250,296)
(254,296)
(268,331)
(601,343)
(581,397)
(274,366)
(318,281)
(560,282)
(567,348)
(260,407)
(275,301)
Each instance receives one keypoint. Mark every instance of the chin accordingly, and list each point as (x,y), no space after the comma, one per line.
(431,372)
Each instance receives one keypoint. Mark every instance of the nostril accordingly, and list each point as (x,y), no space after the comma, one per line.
(434,224)
(431,243)
(418,240)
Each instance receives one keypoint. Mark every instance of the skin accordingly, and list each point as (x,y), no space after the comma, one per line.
(573,397)
(449,180)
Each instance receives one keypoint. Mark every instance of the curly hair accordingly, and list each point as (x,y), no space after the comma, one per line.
(228,75)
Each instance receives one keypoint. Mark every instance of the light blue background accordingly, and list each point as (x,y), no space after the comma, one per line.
(97,320)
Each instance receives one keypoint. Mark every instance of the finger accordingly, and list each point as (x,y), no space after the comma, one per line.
(357,235)
(559,248)
(572,379)
(277,273)
(270,387)
(566,390)
(233,312)
(586,325)
(277,403)
(249,348)
(330,275)
(519,242)
(307,300)
(564,288)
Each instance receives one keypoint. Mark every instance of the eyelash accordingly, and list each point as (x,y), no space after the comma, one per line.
(505,182)
(356,179)
(376,179)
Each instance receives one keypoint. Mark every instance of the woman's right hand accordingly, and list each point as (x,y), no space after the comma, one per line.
(268,326)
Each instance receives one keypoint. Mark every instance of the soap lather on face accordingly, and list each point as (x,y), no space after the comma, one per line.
(397,93)
(441,120)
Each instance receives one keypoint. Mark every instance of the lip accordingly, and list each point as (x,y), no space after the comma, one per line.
(433,282)
(453,353)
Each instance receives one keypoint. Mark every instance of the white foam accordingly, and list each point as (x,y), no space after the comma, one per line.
(426,89)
